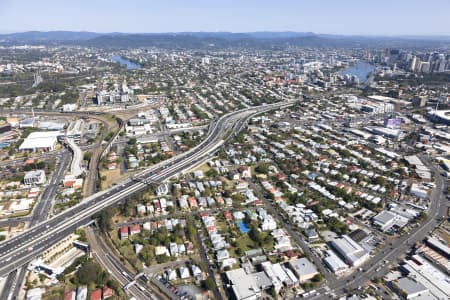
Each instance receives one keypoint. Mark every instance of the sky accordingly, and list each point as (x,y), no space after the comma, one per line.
(349,17)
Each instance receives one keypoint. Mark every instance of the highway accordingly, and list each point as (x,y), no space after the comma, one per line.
(21,249)
(40,213)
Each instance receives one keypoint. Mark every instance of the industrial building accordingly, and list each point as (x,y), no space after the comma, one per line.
(40,141)
(352,253)
(334,263)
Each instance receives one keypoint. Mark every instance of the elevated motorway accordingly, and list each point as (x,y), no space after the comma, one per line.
(21,249)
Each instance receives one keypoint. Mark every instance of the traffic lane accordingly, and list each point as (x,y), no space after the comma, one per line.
(221,121)
(438,206)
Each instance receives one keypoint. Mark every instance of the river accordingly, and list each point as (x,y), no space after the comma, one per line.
(360,70)
(129,64)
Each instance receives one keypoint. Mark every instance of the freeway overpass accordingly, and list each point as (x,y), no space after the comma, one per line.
(21,249)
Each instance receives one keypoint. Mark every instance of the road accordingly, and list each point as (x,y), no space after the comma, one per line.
(394,251)
(114,267)
(204,258)
(92,176)
(275,211)
(35,157)
(40,213)
(21,249)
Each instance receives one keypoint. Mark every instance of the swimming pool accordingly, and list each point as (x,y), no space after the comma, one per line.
(243,228)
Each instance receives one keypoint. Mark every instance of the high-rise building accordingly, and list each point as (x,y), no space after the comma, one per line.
(413,64)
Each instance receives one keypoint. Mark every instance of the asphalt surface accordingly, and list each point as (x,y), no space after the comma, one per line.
(40,213)
(204,258)
(291,231)
(21,249)
(114,267)
(393,251)
(22,159)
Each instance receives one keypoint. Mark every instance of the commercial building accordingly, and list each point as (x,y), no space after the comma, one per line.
(386,220)
(244,286)
(303,268)
(428,275)
(334,263)
(438,246)
(352,253)
(409,288)
(34,177)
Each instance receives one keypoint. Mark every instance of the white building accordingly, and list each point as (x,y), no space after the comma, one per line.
(350,250)
(244,286)
(334,263)
(184,273)
(303,268)
(36,177)
(40,141)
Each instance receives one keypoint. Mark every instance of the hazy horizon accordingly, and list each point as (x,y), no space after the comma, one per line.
(352,17)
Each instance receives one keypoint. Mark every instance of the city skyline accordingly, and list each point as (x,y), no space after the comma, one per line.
(383,18)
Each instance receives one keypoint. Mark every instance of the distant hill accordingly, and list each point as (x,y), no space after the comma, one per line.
(263,39)
(34,36)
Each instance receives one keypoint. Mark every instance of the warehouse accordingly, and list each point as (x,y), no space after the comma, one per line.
(40,141)
(334,263)
(350,250)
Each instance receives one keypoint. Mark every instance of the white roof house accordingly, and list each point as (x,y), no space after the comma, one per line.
(196,271)
(171,275)
(161,250)
(184,272)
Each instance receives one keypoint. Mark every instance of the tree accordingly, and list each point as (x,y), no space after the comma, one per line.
(208,284)
(190,228)
(89,272)
(163,258)
(132,141)
(337,226)
(105,220)
(317,278)
(262,168)
(380,180)
(87,156)
(170,209)
(212,173)
(422,216)
(255,235)
(147,255)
